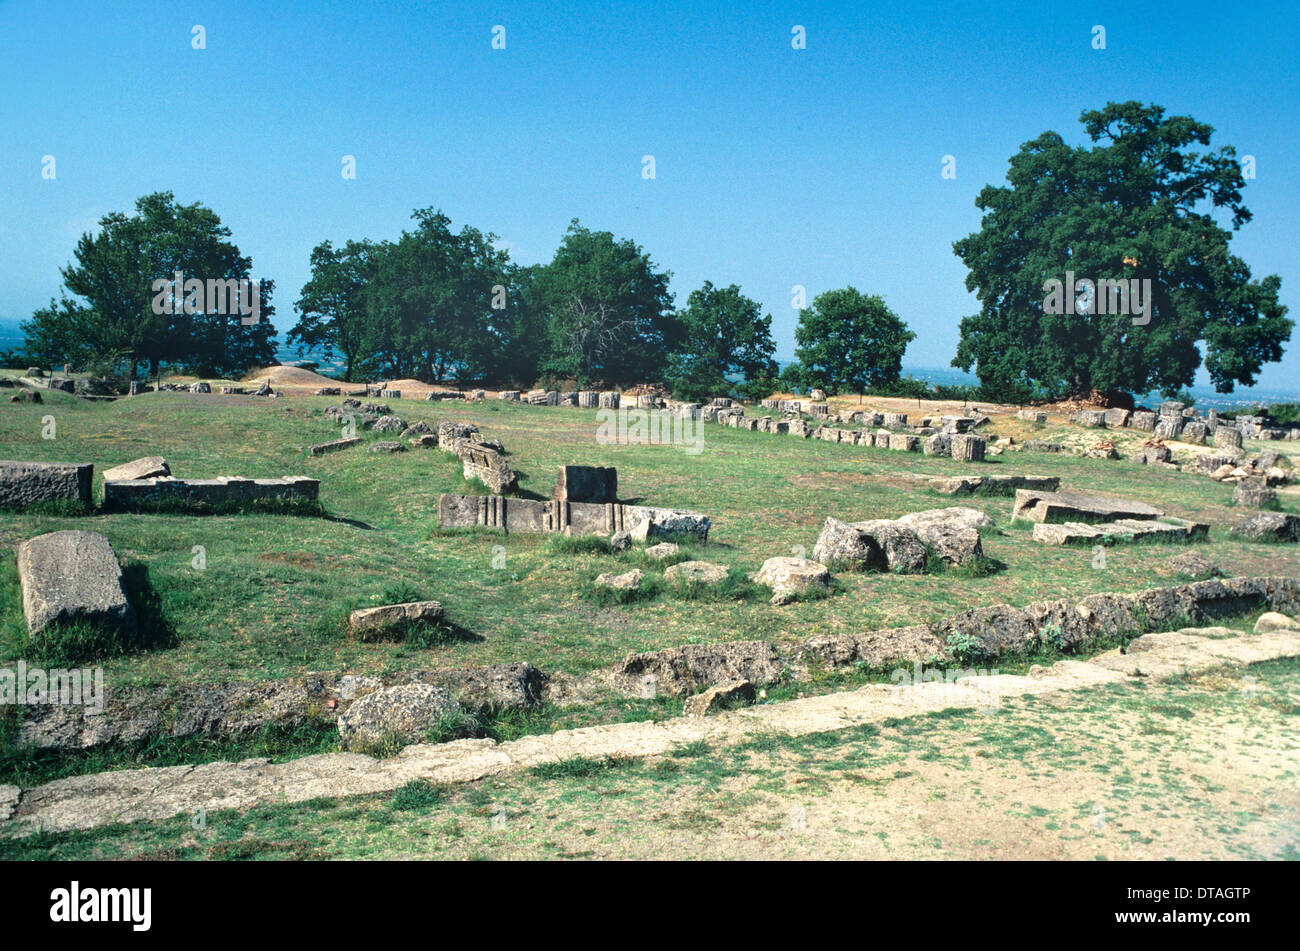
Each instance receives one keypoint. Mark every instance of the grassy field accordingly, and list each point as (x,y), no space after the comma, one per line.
(1195,767)
(273,591)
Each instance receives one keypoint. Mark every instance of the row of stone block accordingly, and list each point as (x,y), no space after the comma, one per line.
(558,516)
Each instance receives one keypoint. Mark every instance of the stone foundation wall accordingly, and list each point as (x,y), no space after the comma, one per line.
(560,517)
(31,483)
(207,492)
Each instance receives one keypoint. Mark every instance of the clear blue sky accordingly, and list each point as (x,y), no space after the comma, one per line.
(775,167)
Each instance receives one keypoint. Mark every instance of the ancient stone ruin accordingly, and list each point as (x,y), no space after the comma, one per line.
(73,577)
(570,518)
(207,493)
(586,484)
(32,483)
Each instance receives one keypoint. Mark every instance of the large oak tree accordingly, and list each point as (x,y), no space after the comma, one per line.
(1139,204)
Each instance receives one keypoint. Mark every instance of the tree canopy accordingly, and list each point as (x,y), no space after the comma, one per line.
(107,311)
(606,310)
(848,342)
(1136,206)
(726,346)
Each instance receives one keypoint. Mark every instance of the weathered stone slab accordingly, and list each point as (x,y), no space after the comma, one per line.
(31,483)
(1037,506)
(1031,415)
(73,576)
(392,620)
(575,518)
(322,448)
(967,447)
(1270,526)
(586,484)
(148,467)
(993,485)
(199,493)
(487,466)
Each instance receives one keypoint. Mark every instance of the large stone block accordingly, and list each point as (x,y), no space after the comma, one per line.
(23,484)
(487,466)
(206,493)
(1227,437)
(73,577)
(968,447)
(1144,421)
(392,620)
(586,484)
(1039,506)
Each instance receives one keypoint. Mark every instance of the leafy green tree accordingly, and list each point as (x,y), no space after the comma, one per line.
(433,303)
(847,342)
(430,305)
(727,346)
(332,308)
(607,311)
(1135,206)
(107,307)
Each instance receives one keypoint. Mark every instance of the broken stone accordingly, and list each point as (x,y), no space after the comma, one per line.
(147,467)
(728,694)
(790,577)
(392,620)
(73,576)
(628,581)
(403,714)
(843,543)
(902,547)
(1270,526)
(1275,621)
(1253,493)
(1195,565)
(663,550)
(696,572)
(586,484)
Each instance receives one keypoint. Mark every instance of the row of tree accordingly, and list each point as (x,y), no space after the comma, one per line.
(438,304)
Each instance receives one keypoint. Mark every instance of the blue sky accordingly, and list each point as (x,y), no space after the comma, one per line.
(775,167)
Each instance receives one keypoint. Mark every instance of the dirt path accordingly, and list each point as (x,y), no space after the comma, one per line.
(84,802)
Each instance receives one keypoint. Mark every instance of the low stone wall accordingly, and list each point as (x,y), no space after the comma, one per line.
(998,630)
(201,493)
(31,483)
(487,466)
(560,517)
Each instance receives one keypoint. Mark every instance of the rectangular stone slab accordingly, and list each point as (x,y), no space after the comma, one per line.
(1036,506)
(73,576)
(586,484)
(31,483)
(995,485)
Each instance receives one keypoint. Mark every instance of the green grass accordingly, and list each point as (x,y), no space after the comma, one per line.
(674,805)
(274,587)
